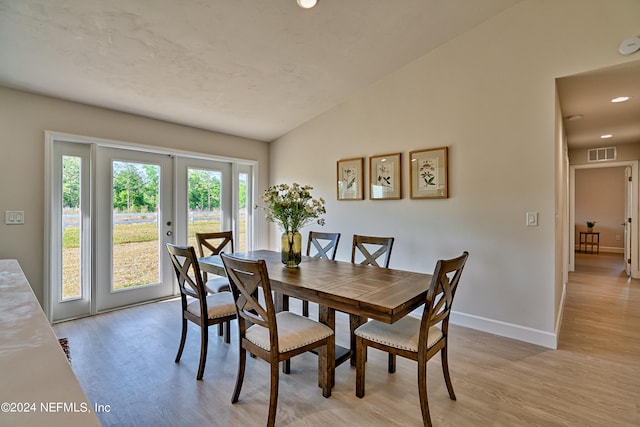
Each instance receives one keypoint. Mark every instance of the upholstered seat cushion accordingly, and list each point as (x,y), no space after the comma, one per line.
(404,334)
(218,305)
(217,284)
(294,331)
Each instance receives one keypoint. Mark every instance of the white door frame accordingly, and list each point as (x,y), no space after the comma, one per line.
(635,259)
(628,197)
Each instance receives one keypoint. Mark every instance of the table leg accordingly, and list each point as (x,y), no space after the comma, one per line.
(355,322)
(281,302)
(327,316)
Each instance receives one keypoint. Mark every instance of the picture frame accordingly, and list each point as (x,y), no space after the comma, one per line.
(385,177)
(350,179)
(429,173)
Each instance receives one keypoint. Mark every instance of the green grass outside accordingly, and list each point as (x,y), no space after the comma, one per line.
(134,252)
(132,233)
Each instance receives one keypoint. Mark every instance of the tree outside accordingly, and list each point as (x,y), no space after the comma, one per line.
(135,233)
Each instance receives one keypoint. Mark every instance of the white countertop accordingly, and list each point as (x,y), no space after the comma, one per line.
(37,384)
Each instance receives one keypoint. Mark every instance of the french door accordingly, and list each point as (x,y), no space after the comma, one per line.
(134,218)
(110,210)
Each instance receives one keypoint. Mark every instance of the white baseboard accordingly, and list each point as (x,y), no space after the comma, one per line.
(611,250)
(561,310)
(607,249)
(509,330)
(504,329)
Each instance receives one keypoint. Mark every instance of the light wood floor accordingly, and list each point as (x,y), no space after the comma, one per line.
(124,359)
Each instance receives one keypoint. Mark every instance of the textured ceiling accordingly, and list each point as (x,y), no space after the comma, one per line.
(253,68)
(260,68)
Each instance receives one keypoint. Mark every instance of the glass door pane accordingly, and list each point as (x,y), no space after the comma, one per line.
(243,214)
(135,195)
(205,202)
(71,230)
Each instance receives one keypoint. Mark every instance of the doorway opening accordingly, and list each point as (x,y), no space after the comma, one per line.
(605,194)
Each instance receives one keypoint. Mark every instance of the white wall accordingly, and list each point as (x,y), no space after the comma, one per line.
(23,119)
(488,95)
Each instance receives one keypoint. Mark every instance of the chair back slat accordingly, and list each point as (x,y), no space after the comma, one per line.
(363,245)
(188,274)
(213,243)
(248,280)
(324,244)
(442,289)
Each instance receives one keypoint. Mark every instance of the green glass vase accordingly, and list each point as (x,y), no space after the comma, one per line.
(291,248)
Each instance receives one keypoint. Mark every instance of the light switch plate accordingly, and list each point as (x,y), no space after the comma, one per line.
(532,219)
(13,217)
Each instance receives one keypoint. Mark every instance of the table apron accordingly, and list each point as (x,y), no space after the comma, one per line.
(358,308)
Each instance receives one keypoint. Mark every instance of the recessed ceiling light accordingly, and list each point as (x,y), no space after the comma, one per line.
(620,99)
(606,136)
(307,4)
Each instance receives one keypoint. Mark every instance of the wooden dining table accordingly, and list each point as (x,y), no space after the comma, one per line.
(363,291)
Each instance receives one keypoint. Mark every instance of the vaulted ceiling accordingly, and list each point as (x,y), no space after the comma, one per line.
(253,68)
(258,68)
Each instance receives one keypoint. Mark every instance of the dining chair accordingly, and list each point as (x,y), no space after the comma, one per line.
(414,338)
(213,243)
(324,245)
(361,253)
(273,337)
(363,246)
(219,307)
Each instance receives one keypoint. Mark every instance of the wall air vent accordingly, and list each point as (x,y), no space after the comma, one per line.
(601,154)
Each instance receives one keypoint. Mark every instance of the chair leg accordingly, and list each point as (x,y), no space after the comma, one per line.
(445,371)
(227,331)
(286,367)
(204,344)
(361,351)
(305,308)
(220,331)
(240,377)
(273,399)
(392,363)
(422,392)
(183,339)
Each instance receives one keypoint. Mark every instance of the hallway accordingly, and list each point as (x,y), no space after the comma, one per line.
(602,310)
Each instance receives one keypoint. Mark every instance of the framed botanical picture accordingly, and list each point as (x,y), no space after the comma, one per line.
(429,174)
(385,177)
(351,179)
